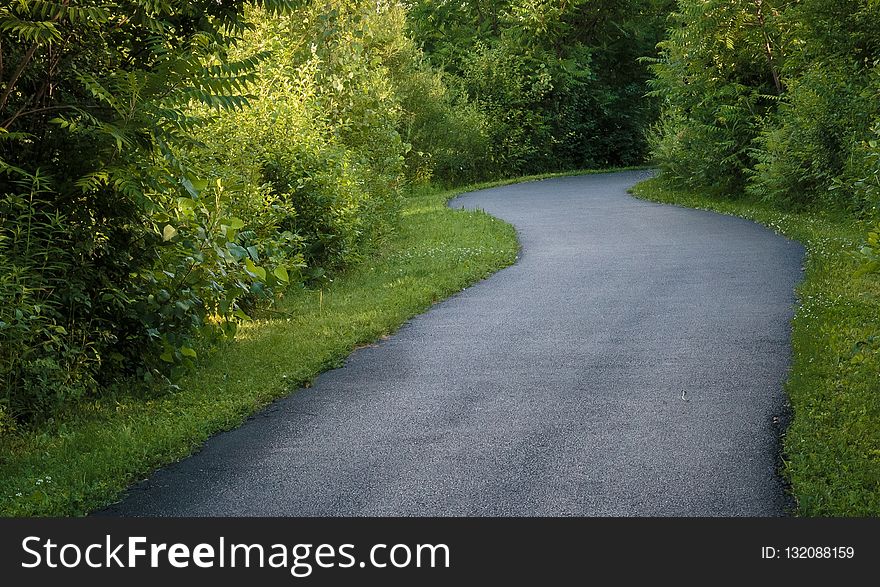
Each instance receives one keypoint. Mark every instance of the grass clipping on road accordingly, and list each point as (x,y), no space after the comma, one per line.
(832,448)
(87,457)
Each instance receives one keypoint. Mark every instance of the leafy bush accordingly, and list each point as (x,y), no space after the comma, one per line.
(867,186)
(48,355)
(558,84)
(777,95)
(168,168)
(867,190)
(221,157)
(718,77)
(117,252)
(813,153)
(447,135)
(320,136)
(503,83)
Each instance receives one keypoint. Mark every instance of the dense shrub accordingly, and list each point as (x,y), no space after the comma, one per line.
(867,186)
(813,151)
(448,136)
(559,83)
(775,97)
(48,351)
(118,252)
(318,148)
(167,168)
(718,79)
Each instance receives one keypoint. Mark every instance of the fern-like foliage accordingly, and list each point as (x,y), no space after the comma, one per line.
(718,77)
(99,101)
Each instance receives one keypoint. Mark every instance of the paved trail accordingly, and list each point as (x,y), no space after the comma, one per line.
(630,363)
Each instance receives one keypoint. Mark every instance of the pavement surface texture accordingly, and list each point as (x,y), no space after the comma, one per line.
(631,363)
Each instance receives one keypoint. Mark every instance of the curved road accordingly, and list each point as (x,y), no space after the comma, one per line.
(631,363)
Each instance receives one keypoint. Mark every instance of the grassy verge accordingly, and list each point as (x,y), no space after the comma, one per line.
(86,457)
(832,448)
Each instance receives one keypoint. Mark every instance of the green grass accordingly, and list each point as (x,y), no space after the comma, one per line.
(85,458)
(832,448)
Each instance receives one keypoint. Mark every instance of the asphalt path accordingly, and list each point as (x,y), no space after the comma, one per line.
(631,363)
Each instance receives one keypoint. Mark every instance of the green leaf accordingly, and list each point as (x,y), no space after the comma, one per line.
(281,274)
(187,352)
(258,272)
(199,184)
(168,233)
(234,223)
(229,329)
(186,203)
(194,186)
(236,251)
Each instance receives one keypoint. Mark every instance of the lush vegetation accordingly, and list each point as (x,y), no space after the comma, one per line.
(168,169)
(558,83)
(781,99)
(116,248)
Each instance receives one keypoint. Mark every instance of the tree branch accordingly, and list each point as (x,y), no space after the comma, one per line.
(24,62)
(22,112)
(768,47)
(46,87)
